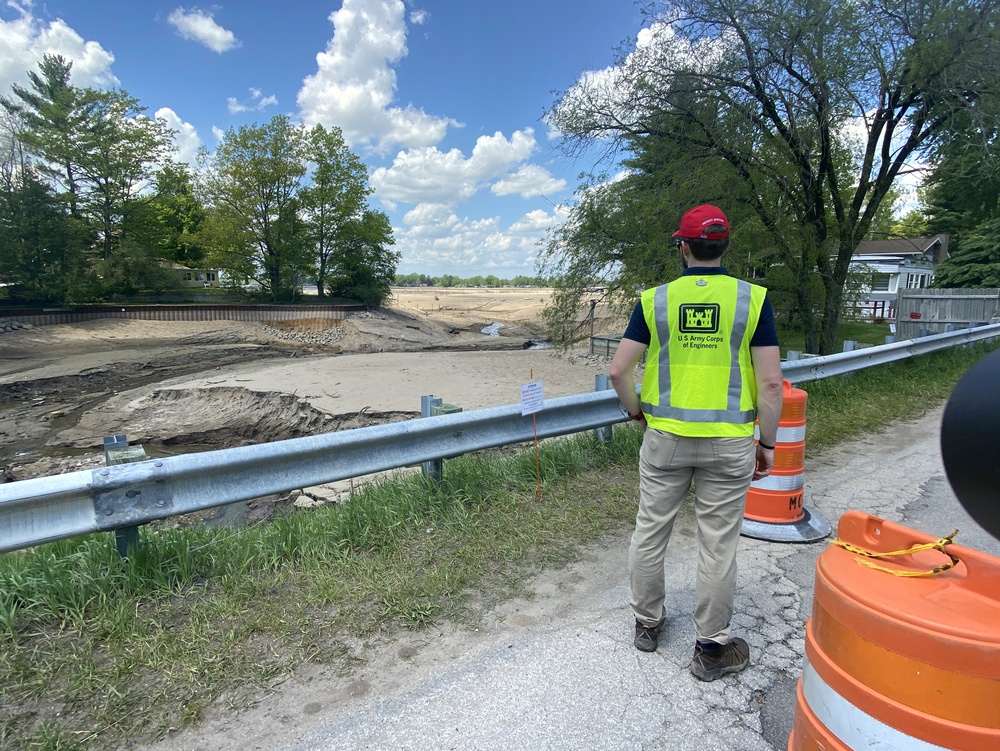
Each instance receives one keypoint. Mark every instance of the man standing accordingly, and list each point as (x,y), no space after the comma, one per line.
(713,366)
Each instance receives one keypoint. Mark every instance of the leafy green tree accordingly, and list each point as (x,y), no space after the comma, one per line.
(171,220)
(117,154)
(407,280)
(963,188)
(42,249)
(775,89)
(976,262)
(334,200)
(134,267)
(912,224)
(962,198)
(618,241)
(364,267)
(52,115)
(250,186)
(97,146)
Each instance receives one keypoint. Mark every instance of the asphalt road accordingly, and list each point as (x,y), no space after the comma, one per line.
(567,676)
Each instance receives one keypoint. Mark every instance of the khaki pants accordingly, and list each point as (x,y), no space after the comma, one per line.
(721,469)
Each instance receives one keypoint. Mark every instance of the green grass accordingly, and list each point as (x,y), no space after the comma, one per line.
(857,331)
(95,650)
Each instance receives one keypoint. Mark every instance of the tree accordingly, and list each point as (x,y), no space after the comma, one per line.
(170,222)
(97,146)
(116,153)
(52,114)
(912,224)
(776,89)
(42,249)
(962,198)
(976,263)
(365,268)
(250,186)
(618,241)
(335,198)
(265,224)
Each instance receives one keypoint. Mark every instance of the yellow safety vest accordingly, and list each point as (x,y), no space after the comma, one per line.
(699,379)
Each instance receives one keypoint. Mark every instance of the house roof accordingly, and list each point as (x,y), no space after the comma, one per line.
(933,249)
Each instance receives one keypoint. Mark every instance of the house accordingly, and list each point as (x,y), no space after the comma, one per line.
(196,277)
(898,264)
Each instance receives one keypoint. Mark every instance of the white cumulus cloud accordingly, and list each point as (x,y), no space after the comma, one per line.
(186,139)
(435,240)
(529,181)
(256,103)
(26,39)
(354,87)
(536,222)
(428,175)
(200,26)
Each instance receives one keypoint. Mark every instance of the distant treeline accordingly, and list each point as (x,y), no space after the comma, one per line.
(448,280)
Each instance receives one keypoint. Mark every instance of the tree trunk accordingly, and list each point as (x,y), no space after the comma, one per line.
(831,318)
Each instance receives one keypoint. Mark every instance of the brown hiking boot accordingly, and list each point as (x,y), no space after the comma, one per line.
(647,637)
(709,664)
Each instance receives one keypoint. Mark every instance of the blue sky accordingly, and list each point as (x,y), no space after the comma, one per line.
(442,99)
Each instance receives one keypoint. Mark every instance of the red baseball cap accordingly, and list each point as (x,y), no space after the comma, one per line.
(695,220)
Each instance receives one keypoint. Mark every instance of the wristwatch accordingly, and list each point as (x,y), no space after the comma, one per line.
(635,417)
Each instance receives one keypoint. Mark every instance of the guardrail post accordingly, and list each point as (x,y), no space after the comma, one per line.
(603,433)
(850,345)
(117,451)
(434,468)
(793,354)
(890,338)
(593,304)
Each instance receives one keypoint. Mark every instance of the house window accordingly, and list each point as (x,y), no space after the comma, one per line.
(916,281)
(211,276)
(880,283)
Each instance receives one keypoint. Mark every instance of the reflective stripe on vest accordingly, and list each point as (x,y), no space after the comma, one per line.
(732,414)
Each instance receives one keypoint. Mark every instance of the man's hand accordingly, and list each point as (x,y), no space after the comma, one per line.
(765,462)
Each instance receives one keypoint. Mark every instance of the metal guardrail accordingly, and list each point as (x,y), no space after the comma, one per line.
(827,366)
(125,495)
(51,508)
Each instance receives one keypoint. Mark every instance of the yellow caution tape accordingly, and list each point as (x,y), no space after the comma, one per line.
(939,545)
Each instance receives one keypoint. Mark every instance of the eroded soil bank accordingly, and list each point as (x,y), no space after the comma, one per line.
(175,387)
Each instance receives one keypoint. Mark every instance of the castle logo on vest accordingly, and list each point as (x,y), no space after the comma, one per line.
(699,318)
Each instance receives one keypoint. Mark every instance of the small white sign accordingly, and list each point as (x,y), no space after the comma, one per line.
(531,398)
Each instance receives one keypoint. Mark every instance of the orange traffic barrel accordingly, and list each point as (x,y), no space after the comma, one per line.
(902,655)
(774,509)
